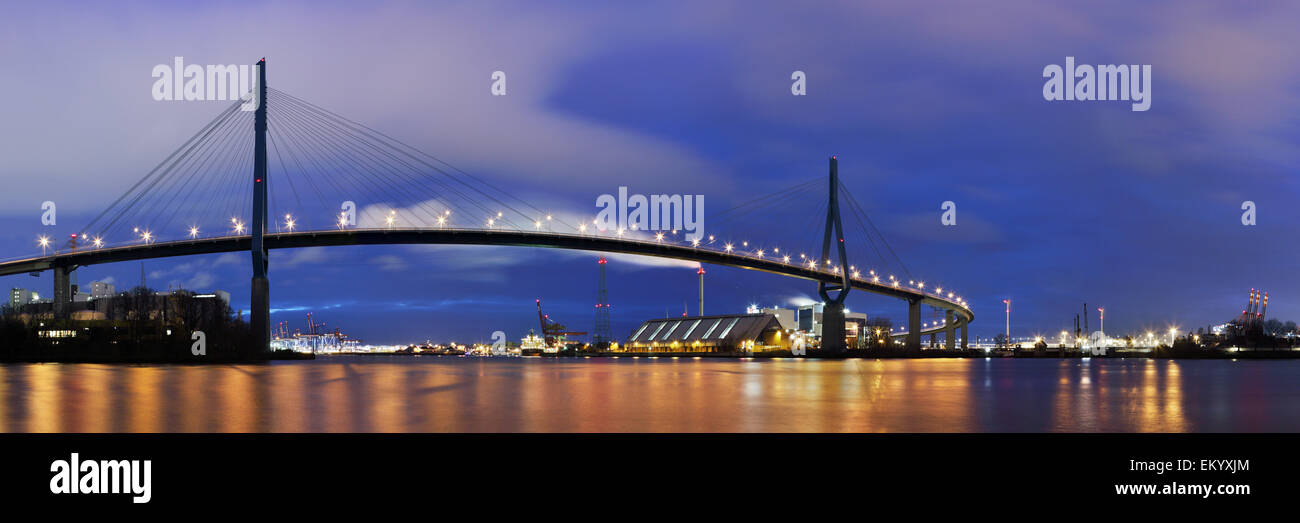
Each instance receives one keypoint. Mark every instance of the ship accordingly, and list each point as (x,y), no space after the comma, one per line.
(532,344)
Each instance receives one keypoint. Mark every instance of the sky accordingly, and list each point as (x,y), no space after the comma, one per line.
(1058,203)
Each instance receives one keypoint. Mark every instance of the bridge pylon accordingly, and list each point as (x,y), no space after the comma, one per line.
(260,304)
(913,341)
(833,311)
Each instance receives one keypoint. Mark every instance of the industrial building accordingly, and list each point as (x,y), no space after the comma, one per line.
(728,333)
(809,320)
(19,297)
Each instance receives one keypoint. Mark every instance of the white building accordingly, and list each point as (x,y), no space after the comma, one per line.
(99,289)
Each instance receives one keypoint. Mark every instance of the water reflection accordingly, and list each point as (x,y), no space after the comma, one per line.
(396,394)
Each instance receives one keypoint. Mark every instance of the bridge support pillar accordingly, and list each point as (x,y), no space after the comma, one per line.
(833,327)
(62,293)
(949,335)
(259,313)
(913,325)
(933,343)
(963,336)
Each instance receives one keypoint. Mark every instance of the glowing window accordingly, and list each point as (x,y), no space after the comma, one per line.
(656,332)
(728,329)
(710,331)
(670,331)
(690,330)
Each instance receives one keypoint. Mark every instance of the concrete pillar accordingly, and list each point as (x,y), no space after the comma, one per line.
(963,336)
(949,338)
(833,328)
(62,293)
(913,324)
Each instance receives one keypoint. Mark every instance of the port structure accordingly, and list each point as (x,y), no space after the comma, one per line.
(552,330)
(602,335)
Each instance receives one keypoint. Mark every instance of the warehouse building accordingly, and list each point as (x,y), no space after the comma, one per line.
(728,333)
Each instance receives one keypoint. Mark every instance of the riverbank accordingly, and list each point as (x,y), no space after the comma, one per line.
(1155,353)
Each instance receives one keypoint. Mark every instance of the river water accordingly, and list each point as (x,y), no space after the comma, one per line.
(458,394)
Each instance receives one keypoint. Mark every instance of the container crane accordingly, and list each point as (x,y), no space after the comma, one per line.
(552,331)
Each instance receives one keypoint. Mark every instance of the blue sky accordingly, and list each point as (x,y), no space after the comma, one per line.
(924,102)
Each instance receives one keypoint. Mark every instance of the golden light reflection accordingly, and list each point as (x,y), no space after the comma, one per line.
(433,394)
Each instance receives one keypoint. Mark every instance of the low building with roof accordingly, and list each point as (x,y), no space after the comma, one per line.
(727,333)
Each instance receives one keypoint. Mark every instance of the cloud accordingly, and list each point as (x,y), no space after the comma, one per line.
(389,263)
(297,257)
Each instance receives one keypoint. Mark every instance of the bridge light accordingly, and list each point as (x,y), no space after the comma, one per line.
(938,290)
(744,244)
(728,247)
(538,224)
(620,231)
(498,214)
(776,250)
(785,259)
(801,256)
(239,228)
(659,237)
(760,253)
(695,242)
(548,217)
(875,279)
(856,274)
(44,242)
(146,236)
(289,222)
(710,237)
(194,231)
(98,242)
(582,227)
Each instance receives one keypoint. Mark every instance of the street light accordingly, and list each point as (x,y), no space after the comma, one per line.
(44,242)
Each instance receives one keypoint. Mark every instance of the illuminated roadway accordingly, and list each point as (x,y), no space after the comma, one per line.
(84,256)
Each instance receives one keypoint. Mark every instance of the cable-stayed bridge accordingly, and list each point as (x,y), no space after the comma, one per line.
(197,201)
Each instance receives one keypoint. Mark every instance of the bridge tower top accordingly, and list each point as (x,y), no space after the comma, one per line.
(834,237)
